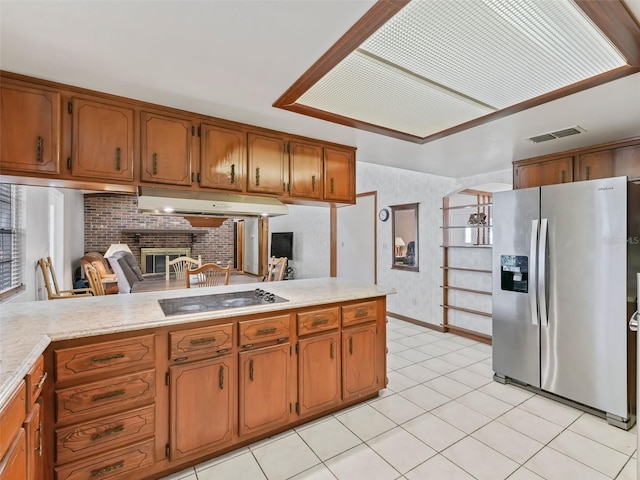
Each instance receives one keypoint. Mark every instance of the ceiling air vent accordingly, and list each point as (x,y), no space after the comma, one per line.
(565,132)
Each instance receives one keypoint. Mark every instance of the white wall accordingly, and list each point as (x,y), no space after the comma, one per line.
(355,241)
(311,239)
(36,240)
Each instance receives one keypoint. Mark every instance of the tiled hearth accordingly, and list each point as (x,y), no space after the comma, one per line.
(441,417)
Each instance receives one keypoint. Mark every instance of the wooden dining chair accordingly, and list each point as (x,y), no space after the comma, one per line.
(51,284)
(95,281)
(277,268)
(208,275)
(180,265)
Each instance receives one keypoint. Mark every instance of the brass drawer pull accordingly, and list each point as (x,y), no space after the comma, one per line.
(251,370)
(104,396)
(313,183)
(118,152)
(155,163)
(202,341)
(322,321)
(106,433)
(223,350)
(258,177)
(39,447)
(39,141)
(233,173)
(41,381)
(110,468)
(266,331)
(221,377)
(331,351)
(588,172)
(350,345)
(281,339)
(108,358)
(333,185)
(362,313)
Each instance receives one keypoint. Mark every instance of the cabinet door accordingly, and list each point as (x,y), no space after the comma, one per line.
(305,170)
(339,175)
(544,173)
(33,429)
(166,149)
(264,388)
(222,158)
(29,130)
(13,465)
(319,373)
(201,406)
(102,141)
(266,164)
(610,163)
(359,362)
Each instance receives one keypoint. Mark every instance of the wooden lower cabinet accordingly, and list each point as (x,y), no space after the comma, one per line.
(318,373)
(34,433)
(264,376)
(359,376)
(201,412)
(13,465)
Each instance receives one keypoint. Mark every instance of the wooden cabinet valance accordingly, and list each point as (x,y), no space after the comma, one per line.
(91,139)
(598,161)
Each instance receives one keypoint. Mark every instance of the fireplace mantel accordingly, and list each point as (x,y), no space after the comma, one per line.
(164,231)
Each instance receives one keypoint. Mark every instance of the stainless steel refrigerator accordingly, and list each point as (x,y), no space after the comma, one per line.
(565,259)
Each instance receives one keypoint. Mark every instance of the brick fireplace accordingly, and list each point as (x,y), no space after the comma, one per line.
(107,215)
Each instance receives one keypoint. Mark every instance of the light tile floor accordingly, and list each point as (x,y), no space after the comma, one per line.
(441,417)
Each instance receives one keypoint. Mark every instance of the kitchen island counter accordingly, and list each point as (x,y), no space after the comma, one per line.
(26,329)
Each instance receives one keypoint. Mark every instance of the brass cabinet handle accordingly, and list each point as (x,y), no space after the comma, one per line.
(251,370)
(562,176)
(265,331)
(333,185)
(118,151)
(362,313)
(331,350)
(155,163)
(41,381)
(281,339)
(202,341)
(107,358)
(257,176)
(321,321)
(105,396)
(110,468)
(233,173)
(588,172)
(313,183)
(39,141)
(221,377)
(39,447)
(193,177)
(350,345)
(106,433)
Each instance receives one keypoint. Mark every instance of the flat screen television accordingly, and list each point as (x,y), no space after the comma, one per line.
(282,244)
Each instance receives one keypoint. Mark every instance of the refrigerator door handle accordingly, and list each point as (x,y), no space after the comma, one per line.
(542,274)
(533,265)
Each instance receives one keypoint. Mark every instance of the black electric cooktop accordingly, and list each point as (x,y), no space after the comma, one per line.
(217,301)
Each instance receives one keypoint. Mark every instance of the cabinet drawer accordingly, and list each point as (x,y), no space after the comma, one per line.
(264,329)
(359,313)
(98,358)
(11,417)
(35,380)
(125,463)
(199,342)
(319,320)
(105,397)
(108,432)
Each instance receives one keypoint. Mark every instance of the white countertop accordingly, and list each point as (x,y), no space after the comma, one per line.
(26,329)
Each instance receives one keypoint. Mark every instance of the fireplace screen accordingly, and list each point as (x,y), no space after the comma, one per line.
(152,260)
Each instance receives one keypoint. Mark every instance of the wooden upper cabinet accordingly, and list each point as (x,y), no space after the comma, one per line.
(339,175)
(222,158)
(305,170)
(609,163)
(166,149)
(548,172)
(29,130)
(266,164)
(102,140)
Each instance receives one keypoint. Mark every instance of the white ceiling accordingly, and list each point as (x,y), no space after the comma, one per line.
(233,59)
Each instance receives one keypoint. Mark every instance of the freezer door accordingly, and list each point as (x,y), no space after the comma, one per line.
(583,338)
(516,339)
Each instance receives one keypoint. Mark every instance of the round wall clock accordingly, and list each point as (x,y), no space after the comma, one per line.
(383,214)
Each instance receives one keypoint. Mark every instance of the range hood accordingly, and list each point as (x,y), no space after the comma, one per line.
(175,202)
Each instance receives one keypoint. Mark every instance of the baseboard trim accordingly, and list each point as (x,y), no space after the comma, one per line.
(437,328)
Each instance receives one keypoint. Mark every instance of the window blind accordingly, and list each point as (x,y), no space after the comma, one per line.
(11,251)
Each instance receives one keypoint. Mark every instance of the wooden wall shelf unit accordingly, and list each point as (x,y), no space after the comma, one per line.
(466,229)
(597,161)
(61,135)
